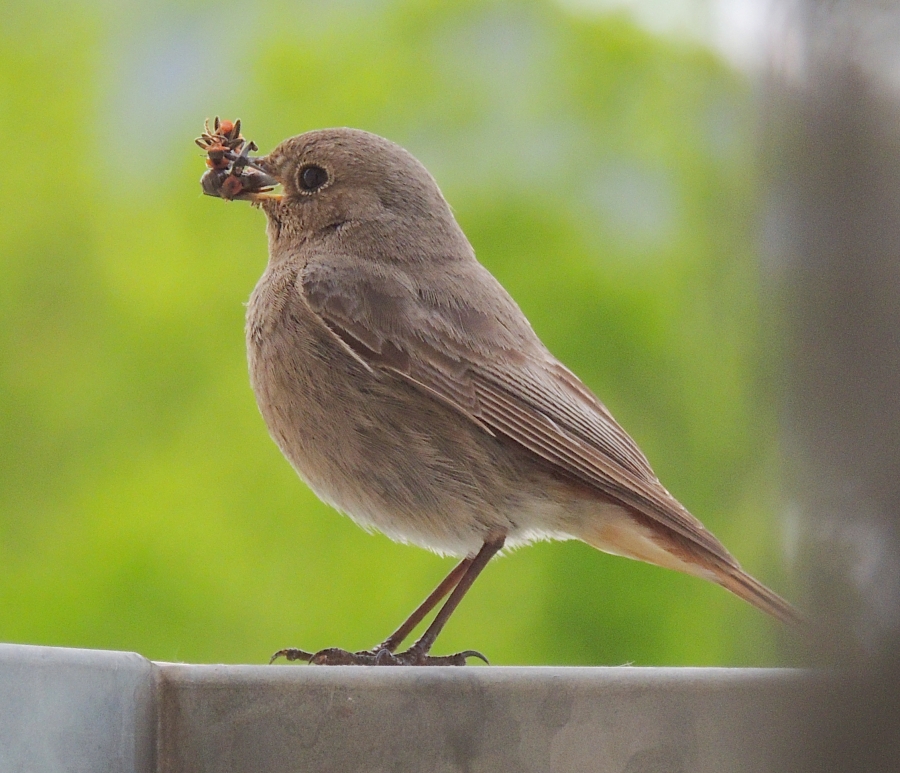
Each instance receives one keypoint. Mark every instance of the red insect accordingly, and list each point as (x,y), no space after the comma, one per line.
(231,172)
(225,136)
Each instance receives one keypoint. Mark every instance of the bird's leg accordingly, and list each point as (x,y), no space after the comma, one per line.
(459,581)
(393,641)
(417,655)
(447,584)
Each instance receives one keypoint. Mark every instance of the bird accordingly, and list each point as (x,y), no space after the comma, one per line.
(409,391)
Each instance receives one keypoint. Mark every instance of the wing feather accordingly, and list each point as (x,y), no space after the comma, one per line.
(482,358)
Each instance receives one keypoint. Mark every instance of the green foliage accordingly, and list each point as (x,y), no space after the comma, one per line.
(606,178)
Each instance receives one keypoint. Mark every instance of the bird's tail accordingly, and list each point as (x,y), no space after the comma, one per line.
(624,537)
(750,589)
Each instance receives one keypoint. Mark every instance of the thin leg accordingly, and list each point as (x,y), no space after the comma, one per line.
(447,584)
(423,646)
(393,641)
(459,581)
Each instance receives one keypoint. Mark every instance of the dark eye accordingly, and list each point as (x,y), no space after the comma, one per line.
(312,177)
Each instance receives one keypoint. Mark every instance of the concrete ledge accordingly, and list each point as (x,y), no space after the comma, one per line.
(256,719)
(71,710)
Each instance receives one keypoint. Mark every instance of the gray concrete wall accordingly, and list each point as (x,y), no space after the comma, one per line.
(77,710)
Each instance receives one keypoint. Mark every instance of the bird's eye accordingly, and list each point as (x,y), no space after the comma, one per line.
(312,178)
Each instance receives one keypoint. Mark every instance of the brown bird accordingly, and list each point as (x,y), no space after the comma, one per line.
(409,391)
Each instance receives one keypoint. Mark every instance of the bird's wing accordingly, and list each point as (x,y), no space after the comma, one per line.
(478,353)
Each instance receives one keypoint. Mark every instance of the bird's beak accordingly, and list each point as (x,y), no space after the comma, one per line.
(261,176)
(255,177)
(243,179)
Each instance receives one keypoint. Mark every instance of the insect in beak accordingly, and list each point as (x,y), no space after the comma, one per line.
(232,173)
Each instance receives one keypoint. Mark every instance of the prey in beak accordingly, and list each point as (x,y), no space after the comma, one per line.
(232,174)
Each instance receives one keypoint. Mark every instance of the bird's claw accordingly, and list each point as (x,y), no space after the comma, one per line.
(380,656)
(292,654)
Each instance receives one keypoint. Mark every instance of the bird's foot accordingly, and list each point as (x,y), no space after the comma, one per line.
(334,656)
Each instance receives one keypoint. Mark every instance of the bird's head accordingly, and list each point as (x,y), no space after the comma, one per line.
(335,178)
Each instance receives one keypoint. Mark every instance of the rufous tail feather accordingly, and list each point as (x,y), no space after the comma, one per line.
(622,536)
(753,591)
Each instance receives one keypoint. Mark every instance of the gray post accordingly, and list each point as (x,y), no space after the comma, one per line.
(834,160)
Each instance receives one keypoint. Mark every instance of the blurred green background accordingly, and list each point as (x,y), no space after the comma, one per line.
(605,175)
